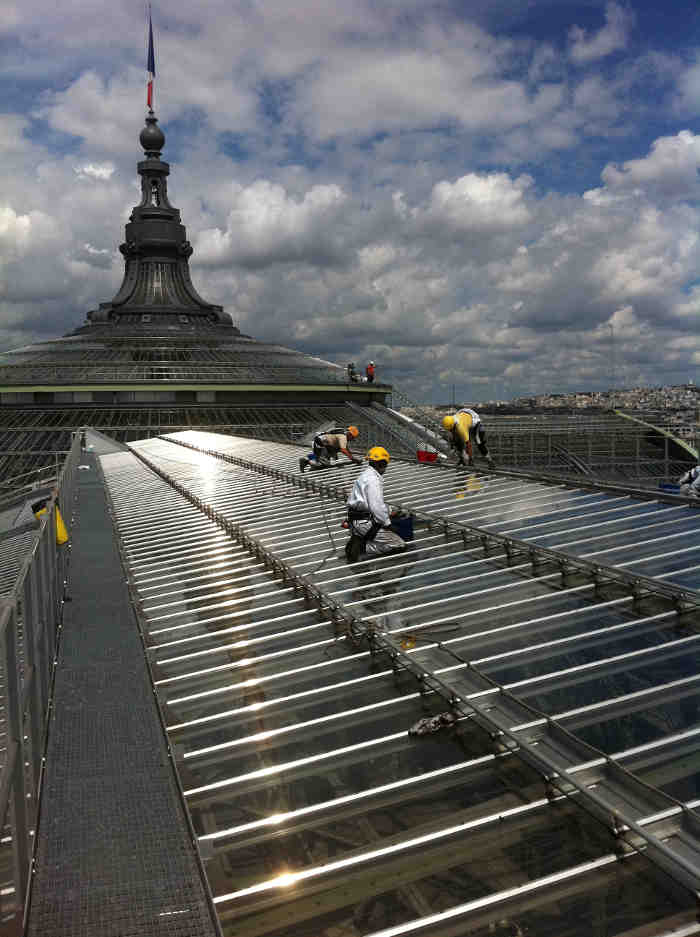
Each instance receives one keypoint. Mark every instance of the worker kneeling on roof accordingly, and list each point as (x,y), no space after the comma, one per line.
(690,483)
(465,427)
(368,515)
(328,446)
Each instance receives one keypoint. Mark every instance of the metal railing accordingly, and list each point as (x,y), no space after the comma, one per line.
(26,480)
(16,376)
(30,618)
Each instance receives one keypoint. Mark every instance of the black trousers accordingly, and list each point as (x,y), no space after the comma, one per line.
(477,434)
(324,454)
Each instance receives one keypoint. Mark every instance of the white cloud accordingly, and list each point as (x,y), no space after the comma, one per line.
(266,225)
(670,169)
(94,171)
(585,48)
(480,202)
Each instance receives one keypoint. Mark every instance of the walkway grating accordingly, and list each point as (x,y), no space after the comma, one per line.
(114,856)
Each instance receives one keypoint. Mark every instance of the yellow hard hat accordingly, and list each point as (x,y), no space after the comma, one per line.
(353,432)
(448,422)
(378,454)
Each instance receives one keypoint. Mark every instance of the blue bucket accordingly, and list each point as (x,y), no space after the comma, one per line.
(403,526)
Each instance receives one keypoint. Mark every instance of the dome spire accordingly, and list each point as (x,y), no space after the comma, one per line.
(156,250)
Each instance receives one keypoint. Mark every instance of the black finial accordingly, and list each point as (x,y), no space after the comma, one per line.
(152,137)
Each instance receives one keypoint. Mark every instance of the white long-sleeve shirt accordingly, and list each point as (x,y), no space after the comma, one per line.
(472,413)
(368,495)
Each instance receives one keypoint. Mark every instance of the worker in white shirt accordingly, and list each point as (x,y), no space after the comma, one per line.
(690,483)
(465,427)
(368,514)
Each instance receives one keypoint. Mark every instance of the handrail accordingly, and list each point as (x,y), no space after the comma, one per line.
(18,376)
(428,421)
(30,617)
(691,450)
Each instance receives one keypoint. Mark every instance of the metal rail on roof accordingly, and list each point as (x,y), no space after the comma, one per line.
(668,834)
(30,618)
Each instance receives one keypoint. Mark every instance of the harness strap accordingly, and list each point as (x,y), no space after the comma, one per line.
(362,514)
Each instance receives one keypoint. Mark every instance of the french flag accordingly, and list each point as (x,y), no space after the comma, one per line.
(151,67)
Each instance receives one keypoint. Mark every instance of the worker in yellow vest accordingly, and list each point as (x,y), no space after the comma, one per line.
(465,427)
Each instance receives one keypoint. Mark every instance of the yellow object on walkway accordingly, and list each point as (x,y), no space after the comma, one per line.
(61,531)
(473,483)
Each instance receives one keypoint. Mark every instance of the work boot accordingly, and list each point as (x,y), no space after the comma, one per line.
(354,548)
(302,464)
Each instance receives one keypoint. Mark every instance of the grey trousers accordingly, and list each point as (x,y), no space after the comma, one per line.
(386,541)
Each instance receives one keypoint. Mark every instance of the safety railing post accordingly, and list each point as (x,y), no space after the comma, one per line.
(42,580)
(15,758)
(33,679)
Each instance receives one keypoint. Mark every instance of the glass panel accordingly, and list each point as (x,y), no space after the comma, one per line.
(289,710)
(598,648)
(689,580)
(527,632)
(674,769)
(395,716)
(629,899)
(594,514)
(272,634)
(223,650)
(627,676)
(646,725)
(219,691)
(399,886)
(632,530)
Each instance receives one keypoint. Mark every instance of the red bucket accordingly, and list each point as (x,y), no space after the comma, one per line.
(425,456)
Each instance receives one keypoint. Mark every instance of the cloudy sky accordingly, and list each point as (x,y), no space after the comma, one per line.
(471,192)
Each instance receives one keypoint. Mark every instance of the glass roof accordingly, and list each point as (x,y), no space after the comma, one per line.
(316,810)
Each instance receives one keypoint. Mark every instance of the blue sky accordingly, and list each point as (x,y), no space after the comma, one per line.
(470,193)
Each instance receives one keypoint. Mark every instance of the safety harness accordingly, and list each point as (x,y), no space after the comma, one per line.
(357,542)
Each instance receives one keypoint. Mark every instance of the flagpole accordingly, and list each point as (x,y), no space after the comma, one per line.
(150,65)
